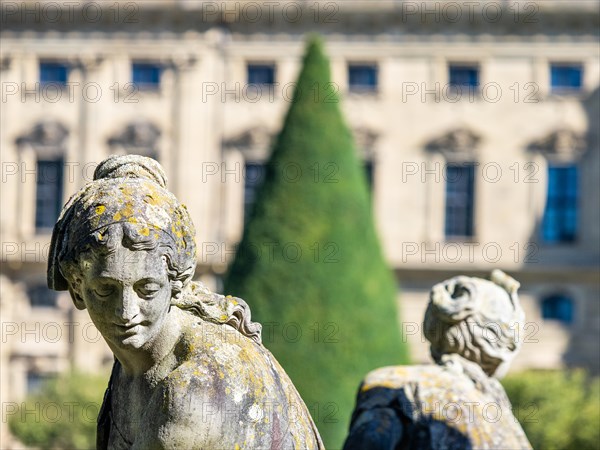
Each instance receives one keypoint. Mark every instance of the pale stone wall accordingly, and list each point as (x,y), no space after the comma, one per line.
(209,127)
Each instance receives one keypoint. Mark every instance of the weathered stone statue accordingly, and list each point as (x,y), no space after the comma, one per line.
(190,371)
(474,328)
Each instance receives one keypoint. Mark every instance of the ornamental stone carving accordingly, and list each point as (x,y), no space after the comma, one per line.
(47,138)
(458,144)
(139,138)
(561,145)
(365,140)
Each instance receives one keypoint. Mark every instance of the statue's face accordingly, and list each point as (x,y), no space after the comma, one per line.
(127,294)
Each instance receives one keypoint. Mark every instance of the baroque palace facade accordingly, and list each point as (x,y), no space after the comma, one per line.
(476,121)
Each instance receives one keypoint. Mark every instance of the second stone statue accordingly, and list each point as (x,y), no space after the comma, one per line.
(475,328)
(190,371)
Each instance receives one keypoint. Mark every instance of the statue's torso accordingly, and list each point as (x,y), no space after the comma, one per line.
(229,389)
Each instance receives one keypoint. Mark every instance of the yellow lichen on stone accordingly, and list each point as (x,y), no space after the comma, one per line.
(127,211)
(100,209)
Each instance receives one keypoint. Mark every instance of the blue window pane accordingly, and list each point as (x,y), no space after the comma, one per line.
(49,193)
(560,219)
(35,381)
(261,74)
(362,77)
(146,75)
(460,183)
(565,77)
(41,296)
(53,72)
(558,307)
(464,76)
(254,175)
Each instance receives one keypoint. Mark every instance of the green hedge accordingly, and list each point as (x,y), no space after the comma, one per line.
(558,410)
(310,264)
(62,414)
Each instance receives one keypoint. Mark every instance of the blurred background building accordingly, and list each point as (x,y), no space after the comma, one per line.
(477,123)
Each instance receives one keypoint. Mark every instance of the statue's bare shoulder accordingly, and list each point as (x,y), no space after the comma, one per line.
(227,380)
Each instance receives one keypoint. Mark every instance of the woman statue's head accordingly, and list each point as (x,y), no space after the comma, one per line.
(124,248)
(477,319)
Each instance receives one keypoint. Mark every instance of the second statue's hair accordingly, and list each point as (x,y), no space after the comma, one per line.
(477,319)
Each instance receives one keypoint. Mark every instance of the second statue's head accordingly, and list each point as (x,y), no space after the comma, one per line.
(477,319)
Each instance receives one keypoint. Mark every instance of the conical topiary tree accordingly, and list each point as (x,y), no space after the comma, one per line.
(309,263)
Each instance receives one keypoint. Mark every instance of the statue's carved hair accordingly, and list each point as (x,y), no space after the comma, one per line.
(128,204)
(477,319)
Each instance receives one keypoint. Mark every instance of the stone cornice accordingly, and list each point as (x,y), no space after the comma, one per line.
(365,18)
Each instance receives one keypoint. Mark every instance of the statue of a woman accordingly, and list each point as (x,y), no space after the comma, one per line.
(190,371)
(474,327)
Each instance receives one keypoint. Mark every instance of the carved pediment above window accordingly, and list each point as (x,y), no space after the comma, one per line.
(460,143)
(562,144)
(258,137)
(255,143)
(365,140)
(140,138)
(5,62)
(46,138)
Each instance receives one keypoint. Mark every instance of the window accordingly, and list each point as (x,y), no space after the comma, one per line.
(54,72)
(464,76)
(460,181)
(146,76)
(48,193)
(369,173)
(41,296)
(262,74)
(558,307)
(36,380)
(362,77)
(254,175)
(560,216)
(566,78)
